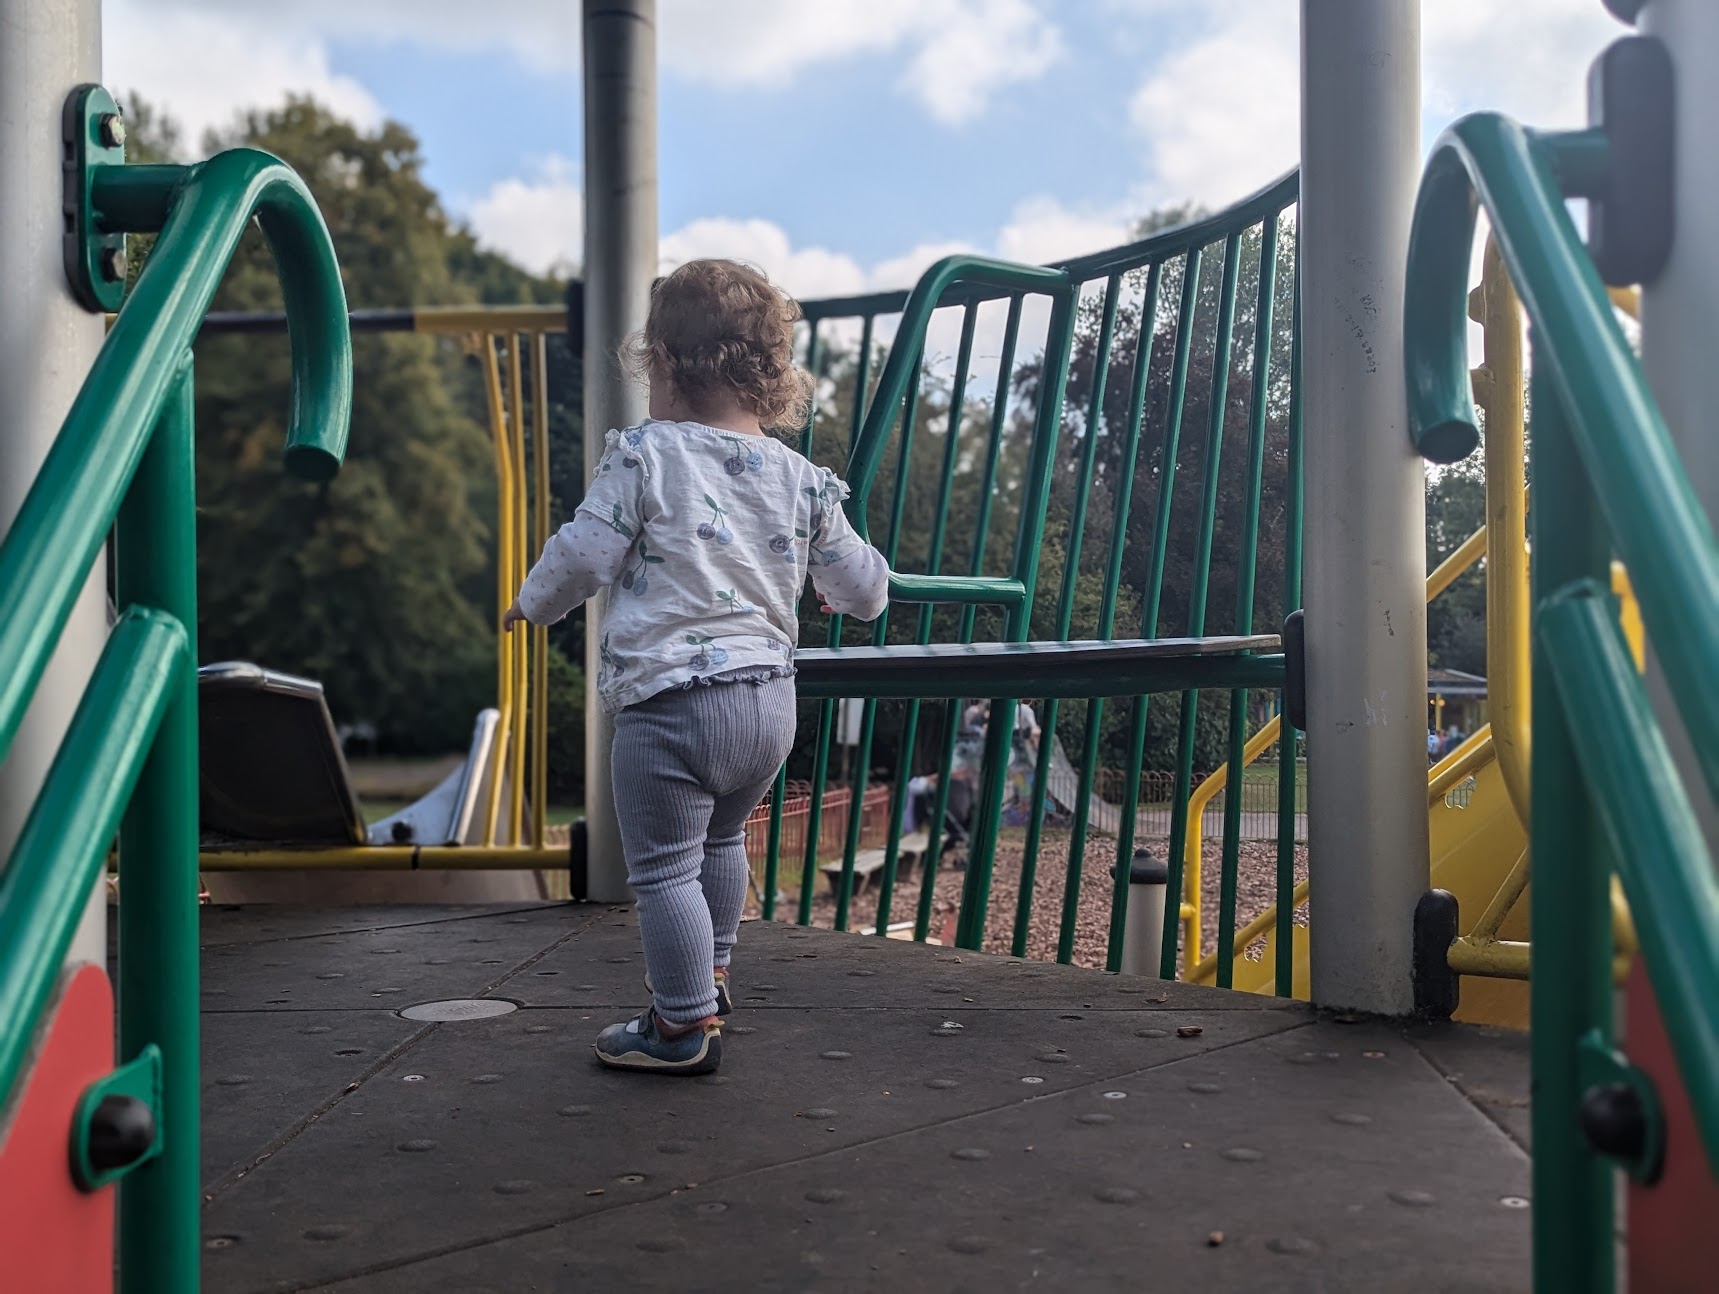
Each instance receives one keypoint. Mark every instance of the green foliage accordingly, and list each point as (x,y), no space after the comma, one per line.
(381,582)
(566,730)
(1456,619)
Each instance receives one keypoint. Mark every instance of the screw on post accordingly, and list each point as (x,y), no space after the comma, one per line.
(114,264)
(113,130)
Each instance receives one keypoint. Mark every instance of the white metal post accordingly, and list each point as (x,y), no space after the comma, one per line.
(1680,308)
(47,344)
(620,262)
(1364,550)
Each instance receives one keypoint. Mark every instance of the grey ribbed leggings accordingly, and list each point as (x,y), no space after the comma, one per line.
(688,767)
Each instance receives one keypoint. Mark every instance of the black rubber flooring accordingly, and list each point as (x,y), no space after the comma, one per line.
(888,1116)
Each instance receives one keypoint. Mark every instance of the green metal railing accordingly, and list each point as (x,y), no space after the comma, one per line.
(1607,478)
(997,439)
(129,759)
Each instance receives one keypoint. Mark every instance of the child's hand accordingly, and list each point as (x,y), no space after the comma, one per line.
(511,617)
(823,602)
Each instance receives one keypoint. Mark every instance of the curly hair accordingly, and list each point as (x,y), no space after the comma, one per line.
(718,327)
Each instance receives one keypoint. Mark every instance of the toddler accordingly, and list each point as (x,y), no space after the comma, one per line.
(705,529)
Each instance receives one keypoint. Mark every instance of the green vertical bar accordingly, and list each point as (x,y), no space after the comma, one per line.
(773,856)
(773,852)
(981,534)
(1064,618)
(1248,565)
(815,806)
(1154,591)
(880,631)
(159,1204)
(976,891)
(1197,594)
(1570,900)
(1288,770)
(826,709)
(933,564)
(1107,616)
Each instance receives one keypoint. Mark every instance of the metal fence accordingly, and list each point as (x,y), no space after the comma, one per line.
(976,466)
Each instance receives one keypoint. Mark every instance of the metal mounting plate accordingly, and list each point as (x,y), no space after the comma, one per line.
(92,135)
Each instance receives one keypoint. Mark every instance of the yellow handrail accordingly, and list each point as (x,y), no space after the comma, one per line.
(505,584)
(1498,388)
(1472,754)
(540,633)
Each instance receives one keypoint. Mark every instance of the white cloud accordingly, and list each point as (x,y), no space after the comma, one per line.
(538,222)
(203,59)
(1043,229)
(959,53)
(801,271)
(203,67)
(1528,58)
(1220,115)
(543,34)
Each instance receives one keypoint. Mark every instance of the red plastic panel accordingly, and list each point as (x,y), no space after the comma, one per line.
(1671,1222)
(53,1236)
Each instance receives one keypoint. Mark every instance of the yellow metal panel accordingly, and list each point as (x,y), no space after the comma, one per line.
(386,858)
(488,319)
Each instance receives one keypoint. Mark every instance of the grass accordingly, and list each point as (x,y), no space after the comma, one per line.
(387,785)
(557,815)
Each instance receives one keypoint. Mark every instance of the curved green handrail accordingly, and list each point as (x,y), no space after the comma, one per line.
(202,212)
(901,371)
(125,452)
(1665,538)
(1659,526)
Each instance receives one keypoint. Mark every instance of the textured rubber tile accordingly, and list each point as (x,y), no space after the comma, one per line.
(259,922)
(1319,1160)
(885,1115)
(1489,1066)
(265,1072)
(779,965)
(486,1126)
(383,967)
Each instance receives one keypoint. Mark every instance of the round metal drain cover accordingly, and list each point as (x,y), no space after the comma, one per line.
(460,1008)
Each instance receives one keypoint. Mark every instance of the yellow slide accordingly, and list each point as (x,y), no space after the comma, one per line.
(1475,839)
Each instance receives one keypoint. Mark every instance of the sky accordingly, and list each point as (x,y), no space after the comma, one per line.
(843,145)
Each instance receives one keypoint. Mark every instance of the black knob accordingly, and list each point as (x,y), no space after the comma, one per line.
(122,1130)
(1613,1121)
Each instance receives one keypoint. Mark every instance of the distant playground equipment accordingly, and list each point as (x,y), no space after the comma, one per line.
(280,816)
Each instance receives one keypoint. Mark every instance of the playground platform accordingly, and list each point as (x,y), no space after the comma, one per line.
(889,1115)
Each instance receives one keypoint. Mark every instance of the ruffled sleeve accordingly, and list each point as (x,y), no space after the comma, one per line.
(832,486)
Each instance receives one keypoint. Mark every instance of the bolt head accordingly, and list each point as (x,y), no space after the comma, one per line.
(114,264)
(113,130)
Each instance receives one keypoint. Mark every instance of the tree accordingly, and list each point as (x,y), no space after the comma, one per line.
(1456,619)
(379,583)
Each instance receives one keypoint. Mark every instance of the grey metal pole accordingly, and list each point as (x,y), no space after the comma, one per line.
(1680,308)
(620,261)
(47,344)
(1364,550)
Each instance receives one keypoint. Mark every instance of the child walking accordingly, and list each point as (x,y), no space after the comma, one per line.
(705,529)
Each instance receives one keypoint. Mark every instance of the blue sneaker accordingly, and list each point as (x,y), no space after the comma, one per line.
(639,1044)
(724,1003)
